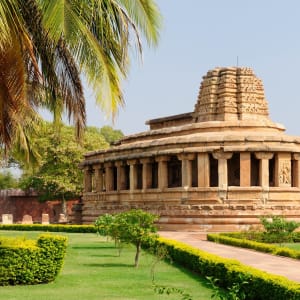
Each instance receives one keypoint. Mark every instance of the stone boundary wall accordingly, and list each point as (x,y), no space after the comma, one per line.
(18,203)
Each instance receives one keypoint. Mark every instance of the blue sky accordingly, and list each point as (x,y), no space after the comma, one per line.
(199,35)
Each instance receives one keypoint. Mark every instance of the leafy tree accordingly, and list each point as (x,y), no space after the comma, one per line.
(57,175)
(45,47)
(134,226)
(7,180)
(110,134)
(104,226)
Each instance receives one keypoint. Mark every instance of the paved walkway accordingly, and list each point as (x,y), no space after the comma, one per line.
(290,268)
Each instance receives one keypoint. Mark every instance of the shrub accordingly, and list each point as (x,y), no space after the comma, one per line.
(244,243)
(50,228)
(260,285)
(278,229)
(31,262)
(296,237)
(249,235)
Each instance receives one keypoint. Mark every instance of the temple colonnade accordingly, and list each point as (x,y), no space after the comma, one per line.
(194,170)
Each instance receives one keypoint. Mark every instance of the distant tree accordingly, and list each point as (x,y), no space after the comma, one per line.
(57,176)
(110,134)
(7,180)
(134,226)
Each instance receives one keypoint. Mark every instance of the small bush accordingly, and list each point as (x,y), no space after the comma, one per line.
(278,229)
(296,237)
(31,262)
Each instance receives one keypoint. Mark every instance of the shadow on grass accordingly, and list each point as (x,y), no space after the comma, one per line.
(105,255)
(110,265)
(94,247)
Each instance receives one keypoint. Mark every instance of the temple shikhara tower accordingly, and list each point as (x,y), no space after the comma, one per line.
(217,168)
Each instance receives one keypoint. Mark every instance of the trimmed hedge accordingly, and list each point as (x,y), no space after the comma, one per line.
(258,236)
(50,228)
(31,262)
(258,246)
(260,285)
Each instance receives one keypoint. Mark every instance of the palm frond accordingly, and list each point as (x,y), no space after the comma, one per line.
(24,148)
(10,21)
(145,14)
(12,92)
(70,84)
(61,75)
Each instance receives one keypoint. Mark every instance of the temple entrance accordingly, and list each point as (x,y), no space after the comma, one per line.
(194,173)
(93,176)
(127,178)
(115,180)
(272,171)
(233,165)
(213,171)
(174,172)
(139,179)
(254,172)
(154,175)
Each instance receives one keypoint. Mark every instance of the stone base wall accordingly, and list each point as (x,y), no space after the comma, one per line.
(181,210)
(30,205)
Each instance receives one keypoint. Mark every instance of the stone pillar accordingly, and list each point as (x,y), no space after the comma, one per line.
(147,175)
(203,170)
(264,158)
(186,168)
(283,167)
(121,180)
(222,168)
(132,174)
(296,170)
(109,176)
(162,171)
(88,180)
(98,177)
(245,169)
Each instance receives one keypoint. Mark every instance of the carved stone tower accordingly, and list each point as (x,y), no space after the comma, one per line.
(231,94)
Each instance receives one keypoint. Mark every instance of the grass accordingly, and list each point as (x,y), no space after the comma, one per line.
(93,270)
(294,246)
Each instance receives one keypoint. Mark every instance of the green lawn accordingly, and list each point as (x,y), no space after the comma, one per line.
(93,270)
(294,246)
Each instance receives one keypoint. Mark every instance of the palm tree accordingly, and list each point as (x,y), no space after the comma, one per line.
(46,45)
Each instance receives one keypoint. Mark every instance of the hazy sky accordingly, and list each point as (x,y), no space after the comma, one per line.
(199,35)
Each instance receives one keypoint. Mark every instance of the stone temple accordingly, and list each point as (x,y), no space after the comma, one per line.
(217,168)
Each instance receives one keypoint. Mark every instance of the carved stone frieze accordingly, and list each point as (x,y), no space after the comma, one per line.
(284,172)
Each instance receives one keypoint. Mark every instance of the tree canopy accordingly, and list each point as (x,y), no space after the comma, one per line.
(134,226)
(57,175)
(7,180)
(111,135)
